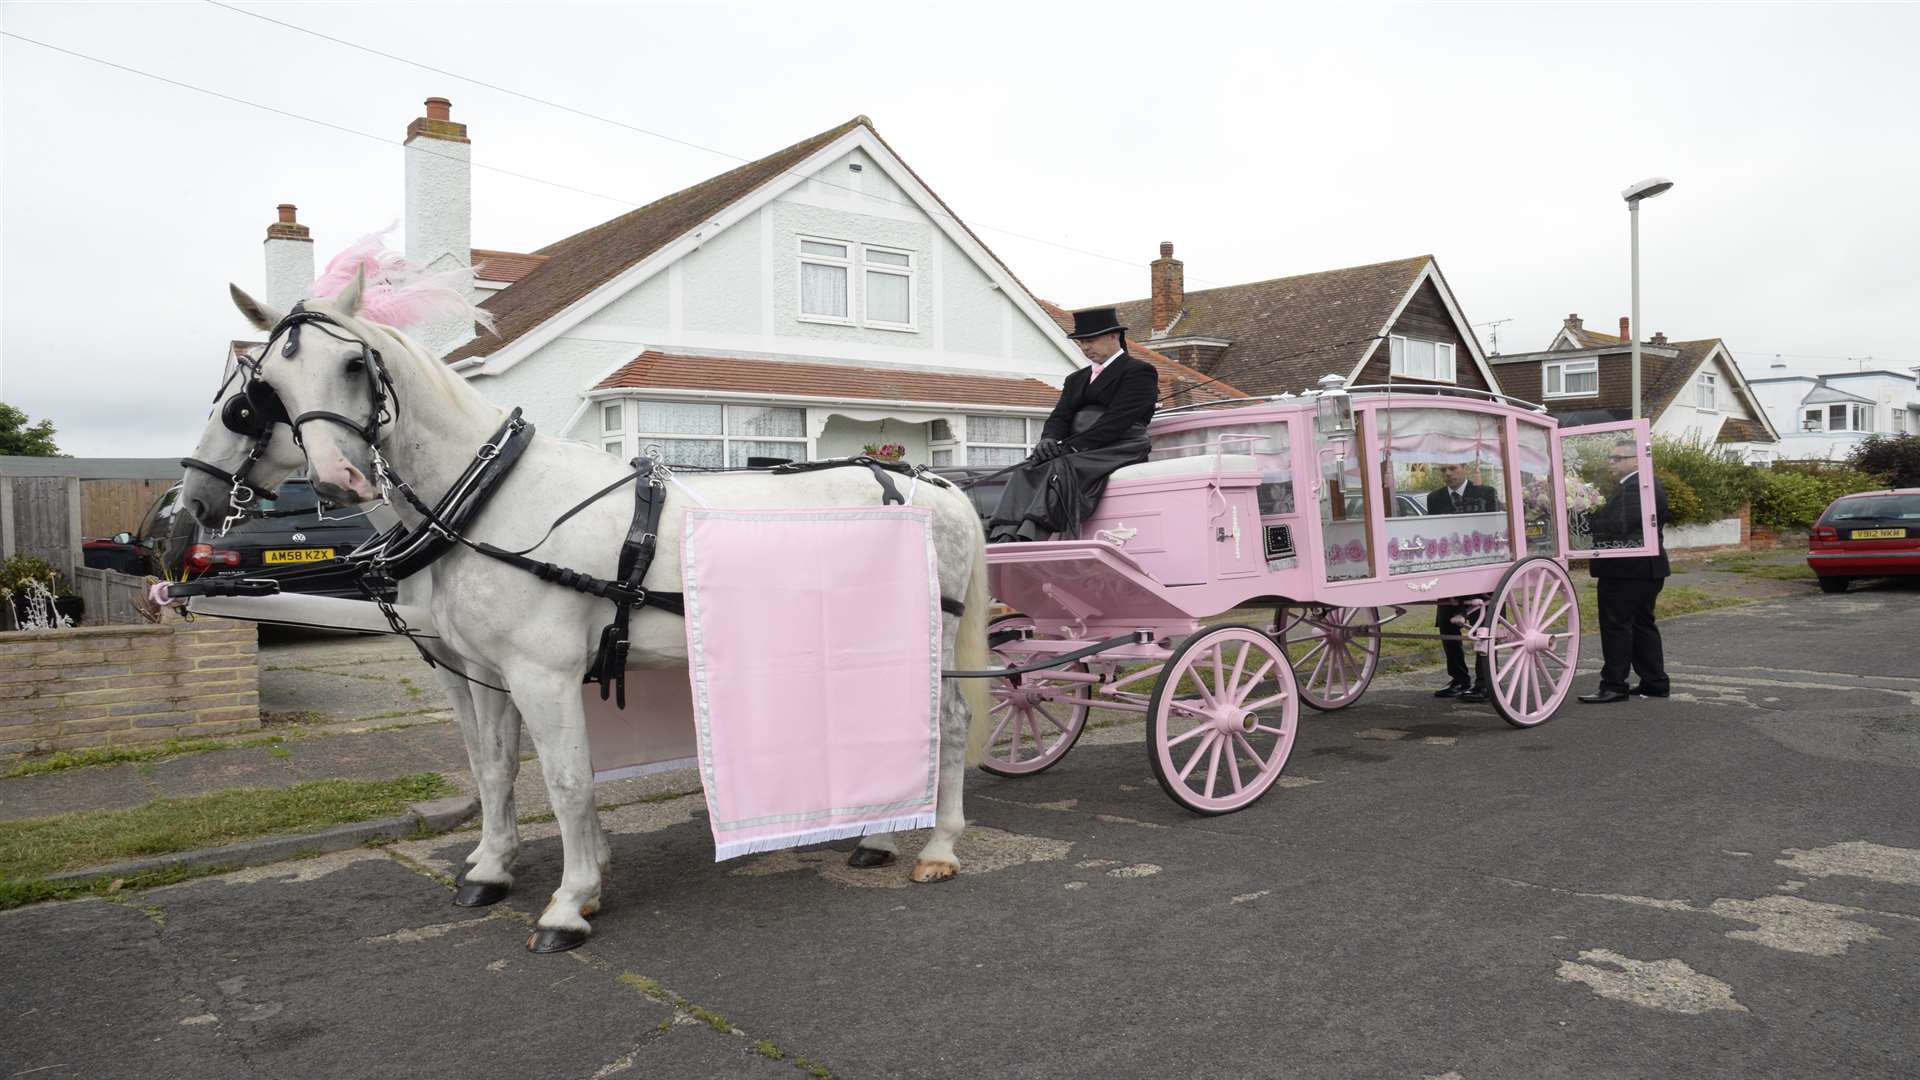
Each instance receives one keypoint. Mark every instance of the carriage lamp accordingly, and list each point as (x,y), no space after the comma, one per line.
(1333,415)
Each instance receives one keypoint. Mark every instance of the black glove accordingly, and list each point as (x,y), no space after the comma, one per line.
(1047,450)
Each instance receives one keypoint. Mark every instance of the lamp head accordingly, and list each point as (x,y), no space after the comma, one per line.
(1646,189)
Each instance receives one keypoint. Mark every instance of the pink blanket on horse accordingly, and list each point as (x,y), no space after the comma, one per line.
(813,644)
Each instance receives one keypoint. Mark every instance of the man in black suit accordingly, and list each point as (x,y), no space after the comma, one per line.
(1628,587)
(1457,495)
(1098,425)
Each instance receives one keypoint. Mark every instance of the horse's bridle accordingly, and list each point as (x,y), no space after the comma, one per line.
(255,410)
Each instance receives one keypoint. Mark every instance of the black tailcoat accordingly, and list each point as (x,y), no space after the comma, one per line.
(1103,424)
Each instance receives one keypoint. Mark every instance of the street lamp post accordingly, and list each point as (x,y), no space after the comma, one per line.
(1645,189)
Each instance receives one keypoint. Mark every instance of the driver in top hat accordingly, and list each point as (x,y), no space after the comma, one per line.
(1098,425)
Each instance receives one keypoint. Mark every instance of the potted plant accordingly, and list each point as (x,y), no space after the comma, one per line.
(886,451)
(36,597)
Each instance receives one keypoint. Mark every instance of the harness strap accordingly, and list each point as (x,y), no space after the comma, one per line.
(636,557)
(889,493)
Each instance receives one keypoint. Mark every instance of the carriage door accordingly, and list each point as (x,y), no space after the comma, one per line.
(1604,484)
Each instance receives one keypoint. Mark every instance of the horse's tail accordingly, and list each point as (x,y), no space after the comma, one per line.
(970,651)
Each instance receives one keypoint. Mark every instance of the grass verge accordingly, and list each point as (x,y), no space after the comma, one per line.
(172,748)
(39,846)
(1760,566)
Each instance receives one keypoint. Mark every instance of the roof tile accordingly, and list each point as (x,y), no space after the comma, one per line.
(781,378)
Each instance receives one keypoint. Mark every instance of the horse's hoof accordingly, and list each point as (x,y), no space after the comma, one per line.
(926,871)
(866,858)
(480,893)
(546,939)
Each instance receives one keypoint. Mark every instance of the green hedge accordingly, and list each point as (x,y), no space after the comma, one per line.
(1896,457)
(1704,483)
(1794,493)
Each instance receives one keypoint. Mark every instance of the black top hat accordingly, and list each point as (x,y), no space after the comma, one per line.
(1096,321)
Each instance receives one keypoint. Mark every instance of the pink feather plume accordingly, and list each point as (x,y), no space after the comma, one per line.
(399,293)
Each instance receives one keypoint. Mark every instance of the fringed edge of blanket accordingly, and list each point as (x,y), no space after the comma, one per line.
(736,848)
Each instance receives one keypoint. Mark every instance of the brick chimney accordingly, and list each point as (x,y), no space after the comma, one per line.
(1573,322)
(439,205)
(1169,288)
(1659,337)
(1626,328)
(289,259)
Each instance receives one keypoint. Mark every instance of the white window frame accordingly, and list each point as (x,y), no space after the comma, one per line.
(1396,359)
(909,271)
(857,267)
(613,433)
(1564,368)
(1863,418)
(969,441)
(1817,414)
(1707,386)
(630,437)
(846,263)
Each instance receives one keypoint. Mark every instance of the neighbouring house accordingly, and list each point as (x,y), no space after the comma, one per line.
(1825,415)
(1392,321)
(805,305)
(1691,390)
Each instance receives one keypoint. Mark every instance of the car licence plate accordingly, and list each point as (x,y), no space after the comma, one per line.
(1877,534)
(298,555)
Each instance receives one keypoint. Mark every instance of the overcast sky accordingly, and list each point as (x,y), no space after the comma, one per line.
(1262,140)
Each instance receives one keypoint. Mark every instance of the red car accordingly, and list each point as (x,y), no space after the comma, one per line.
(1870,534)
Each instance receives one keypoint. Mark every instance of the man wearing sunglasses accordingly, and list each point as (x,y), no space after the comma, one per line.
(1628,587)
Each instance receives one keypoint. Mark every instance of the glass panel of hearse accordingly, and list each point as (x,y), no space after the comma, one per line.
(1599,462)
(1446,477)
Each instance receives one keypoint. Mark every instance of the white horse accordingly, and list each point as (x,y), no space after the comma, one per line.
(504,626)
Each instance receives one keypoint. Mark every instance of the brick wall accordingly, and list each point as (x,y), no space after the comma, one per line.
(116,685)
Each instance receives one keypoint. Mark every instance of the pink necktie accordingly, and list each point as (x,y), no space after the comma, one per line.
(1096,369)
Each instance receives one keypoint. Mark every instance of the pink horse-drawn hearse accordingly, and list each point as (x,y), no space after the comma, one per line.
(1314,508)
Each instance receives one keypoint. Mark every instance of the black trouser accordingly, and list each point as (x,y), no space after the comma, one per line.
(1456,651)
(1629,641)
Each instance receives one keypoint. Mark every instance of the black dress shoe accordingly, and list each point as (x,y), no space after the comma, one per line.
(1643,691)
(1474,694)
(1604,697)
(1452,689)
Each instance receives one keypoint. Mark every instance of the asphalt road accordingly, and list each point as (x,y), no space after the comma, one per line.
(1725,884)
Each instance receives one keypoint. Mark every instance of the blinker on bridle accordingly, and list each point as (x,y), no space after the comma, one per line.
(255,410)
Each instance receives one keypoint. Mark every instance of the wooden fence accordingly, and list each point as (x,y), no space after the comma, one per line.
(40,515)
(109,596)
(111,506)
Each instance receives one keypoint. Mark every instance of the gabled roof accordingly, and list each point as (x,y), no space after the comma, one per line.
(1593,339)
(1287,332)
(1825,391)
(507,266)
(1192,386)
(586,260)
(784,379)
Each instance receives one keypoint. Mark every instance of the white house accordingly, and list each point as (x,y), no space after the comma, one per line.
(801,306)
(1825,415)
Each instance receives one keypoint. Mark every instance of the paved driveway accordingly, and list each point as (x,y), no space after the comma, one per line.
(1726,884)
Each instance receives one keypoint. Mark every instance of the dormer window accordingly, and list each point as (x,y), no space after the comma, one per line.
(1413,358)
(1572,378)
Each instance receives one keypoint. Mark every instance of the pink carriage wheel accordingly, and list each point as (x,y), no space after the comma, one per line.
(1334,652)
(1036,718)
(1222,719)
(1535,640)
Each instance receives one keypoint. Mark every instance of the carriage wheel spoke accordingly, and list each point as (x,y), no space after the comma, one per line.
(1265,701)
(1251,752)
(1555,617)
(1230,691)
(1051,719)
(1197,729)
(1039,744)
(998,729)
(1241,691)
(1557,658)
(1233,765)
(1213,767)
(1270,730)
(1197,753)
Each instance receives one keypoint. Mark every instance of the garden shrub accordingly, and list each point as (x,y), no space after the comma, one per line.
(1896,457)
(1683,503)
(1719,482)
(1793,497)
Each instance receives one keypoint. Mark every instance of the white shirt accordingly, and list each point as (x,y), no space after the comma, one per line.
(1102,365)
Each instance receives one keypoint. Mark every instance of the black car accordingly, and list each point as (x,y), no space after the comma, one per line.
(293,529)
